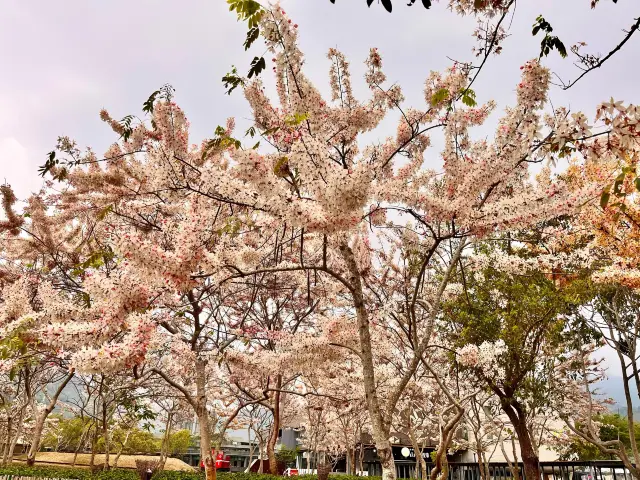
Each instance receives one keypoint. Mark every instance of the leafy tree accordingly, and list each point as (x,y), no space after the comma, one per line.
(612,426)
(179,442)
(528,314)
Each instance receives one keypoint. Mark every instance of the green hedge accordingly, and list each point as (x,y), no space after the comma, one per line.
(122,474)
(68,472)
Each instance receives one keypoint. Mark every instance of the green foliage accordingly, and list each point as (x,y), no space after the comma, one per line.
(46,472)
(438,97)
(122,474)
(295,119)
(65,434)
(526,312)
(232,80)
(138,442)
(612,427)
(287,455)
(165,93)
(179,442)
(220,142)
(469,97)
(257,66)
(549,42)
(616,188)
(251,12)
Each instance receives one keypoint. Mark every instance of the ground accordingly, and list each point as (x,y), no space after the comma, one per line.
(125,461)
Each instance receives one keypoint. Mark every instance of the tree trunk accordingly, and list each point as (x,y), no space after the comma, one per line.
(361,458)
(629,401)
(105,435)
(419,458)
(530,459)
(261,448)
(39,427)
(440,470)
(94,446)
(273,438)
(513,466)
(481,459)
(351,453)
(122,445)
(380,427)
(83,436)
(5,450)
(164,448)
(203,420)
(16,437)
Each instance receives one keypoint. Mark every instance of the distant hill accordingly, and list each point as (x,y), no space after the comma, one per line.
(613,388)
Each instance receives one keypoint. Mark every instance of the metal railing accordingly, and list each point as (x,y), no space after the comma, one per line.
(593,470)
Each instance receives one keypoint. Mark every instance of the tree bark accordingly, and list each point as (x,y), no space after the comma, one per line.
(530,460)
(94,446)
(122,445)
(14,440)
(5,450)
(380,427)
(203,420)
(627,396)
(513,466)
(420,462)
(260,465)
(39,427)
(273,438)
(164,448)
(85,432)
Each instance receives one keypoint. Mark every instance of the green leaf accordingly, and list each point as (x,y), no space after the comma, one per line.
(469,98)
(604,199)
(49,164)
(440,96)
(232,80)
(252,36)
(636,182)
(147,106)
(295,119)
(104,212)
(257,66)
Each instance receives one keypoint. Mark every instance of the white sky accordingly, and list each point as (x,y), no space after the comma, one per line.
(61,62)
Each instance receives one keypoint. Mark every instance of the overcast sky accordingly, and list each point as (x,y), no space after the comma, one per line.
(61,62)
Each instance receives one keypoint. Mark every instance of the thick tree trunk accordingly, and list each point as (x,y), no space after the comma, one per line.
(203,420)
(273,438)
(530,460)
(39,427)
(351,455)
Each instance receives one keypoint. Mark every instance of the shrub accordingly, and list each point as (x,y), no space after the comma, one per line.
(125,474)
(43,471)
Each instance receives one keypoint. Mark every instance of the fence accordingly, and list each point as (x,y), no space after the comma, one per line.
(596,470)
